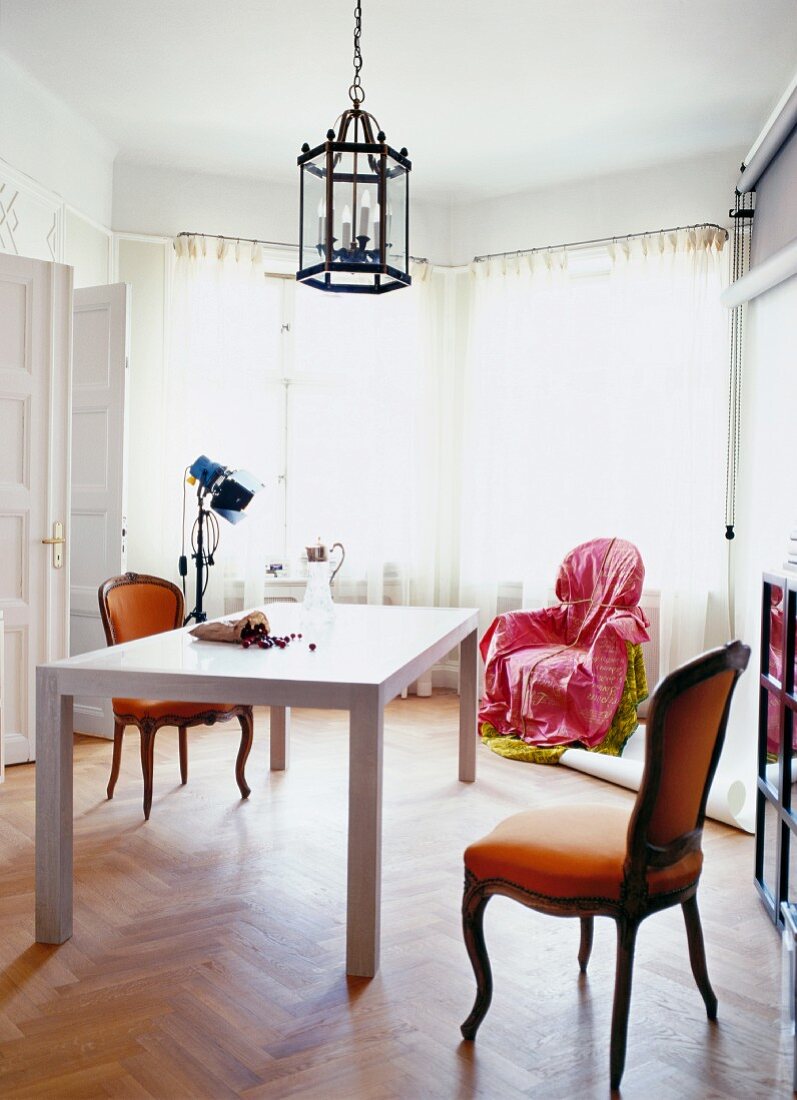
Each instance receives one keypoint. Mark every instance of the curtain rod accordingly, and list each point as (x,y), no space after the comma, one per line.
(596,240)
(272,244)
(243,240)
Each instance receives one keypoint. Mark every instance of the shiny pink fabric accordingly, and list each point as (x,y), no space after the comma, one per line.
(776,670)
(556,675)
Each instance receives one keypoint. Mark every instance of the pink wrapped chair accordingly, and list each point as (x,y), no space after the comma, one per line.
(555,676)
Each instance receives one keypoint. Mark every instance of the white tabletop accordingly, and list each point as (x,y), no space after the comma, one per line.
(361,645)
(363,658)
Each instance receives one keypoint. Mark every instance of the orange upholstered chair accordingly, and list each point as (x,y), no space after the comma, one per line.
(592,860)
(135,606)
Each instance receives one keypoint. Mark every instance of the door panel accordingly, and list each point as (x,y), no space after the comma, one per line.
(35,374)
(99,472)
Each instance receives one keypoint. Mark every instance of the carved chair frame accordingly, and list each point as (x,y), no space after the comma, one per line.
(634,903)
(148,727)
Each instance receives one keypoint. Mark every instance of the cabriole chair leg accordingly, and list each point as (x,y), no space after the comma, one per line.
(697,954)
(626,941)
(116,761)
(183,739)
(147,765)
(247,735)
(473,907)
(585,948)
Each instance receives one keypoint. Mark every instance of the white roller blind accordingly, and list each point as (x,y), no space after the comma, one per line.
(772,172)
(774,136)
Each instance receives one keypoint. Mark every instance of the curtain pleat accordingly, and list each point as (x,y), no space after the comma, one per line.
(595,405)
(335,392)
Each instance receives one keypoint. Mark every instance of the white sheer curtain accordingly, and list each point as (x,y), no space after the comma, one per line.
(329,399)
(362,450)
(224,338)
(596,405)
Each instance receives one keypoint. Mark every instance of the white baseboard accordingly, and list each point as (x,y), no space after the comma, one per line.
(16,749)
(92,721)
(446,675)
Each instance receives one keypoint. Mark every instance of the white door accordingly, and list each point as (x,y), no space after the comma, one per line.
(99,472)
(35,375)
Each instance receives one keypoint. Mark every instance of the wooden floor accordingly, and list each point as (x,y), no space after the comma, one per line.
(208,954)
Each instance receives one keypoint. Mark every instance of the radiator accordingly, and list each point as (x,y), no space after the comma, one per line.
(651,605)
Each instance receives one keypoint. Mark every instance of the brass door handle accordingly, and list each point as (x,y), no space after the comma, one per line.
(57,541)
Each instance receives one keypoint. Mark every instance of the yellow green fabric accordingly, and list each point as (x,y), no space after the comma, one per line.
(635,691)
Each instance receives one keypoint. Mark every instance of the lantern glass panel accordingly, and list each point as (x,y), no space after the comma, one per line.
(313,211)
(355,191)
(396,215)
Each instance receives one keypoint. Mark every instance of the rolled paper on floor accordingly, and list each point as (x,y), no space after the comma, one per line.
(729,800)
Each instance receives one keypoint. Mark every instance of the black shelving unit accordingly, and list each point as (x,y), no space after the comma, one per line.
(776,823)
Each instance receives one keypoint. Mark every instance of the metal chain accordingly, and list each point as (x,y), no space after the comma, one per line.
(742,237)
(356,91)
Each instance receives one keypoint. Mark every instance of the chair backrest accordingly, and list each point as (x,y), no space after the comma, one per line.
(594,580)
(135,606)
(685,732)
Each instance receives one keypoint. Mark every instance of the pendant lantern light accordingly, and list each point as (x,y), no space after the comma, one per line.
(354,202)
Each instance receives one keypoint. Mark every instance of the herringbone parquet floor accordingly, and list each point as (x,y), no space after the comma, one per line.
(207,959)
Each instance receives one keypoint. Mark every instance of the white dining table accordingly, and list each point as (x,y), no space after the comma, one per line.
(364,657)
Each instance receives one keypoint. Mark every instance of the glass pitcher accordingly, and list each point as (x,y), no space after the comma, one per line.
(317,602)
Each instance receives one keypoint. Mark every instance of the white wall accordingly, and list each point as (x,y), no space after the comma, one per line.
(152,199)
(767,494)
(679,193)
(767,488)
(88,248)
(145,265)
(56,180)
(44,139)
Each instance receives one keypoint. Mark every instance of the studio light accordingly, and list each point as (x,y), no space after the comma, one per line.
(228,492)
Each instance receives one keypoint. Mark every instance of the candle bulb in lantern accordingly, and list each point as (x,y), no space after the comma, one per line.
(388,223)
(377,225)
(365,213)
(346,234)
(322,221)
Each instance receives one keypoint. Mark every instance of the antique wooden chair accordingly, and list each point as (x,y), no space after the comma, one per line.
(596,860)
(135,606)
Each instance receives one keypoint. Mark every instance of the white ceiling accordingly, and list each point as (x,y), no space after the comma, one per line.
(490,96)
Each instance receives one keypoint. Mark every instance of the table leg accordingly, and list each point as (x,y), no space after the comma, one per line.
(280,722)
(53,810)
(468,706)
(366,722)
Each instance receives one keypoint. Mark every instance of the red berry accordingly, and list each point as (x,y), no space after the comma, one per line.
(312,645)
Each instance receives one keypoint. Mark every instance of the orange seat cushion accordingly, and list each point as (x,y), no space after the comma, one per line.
(569,852)
(154,708)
